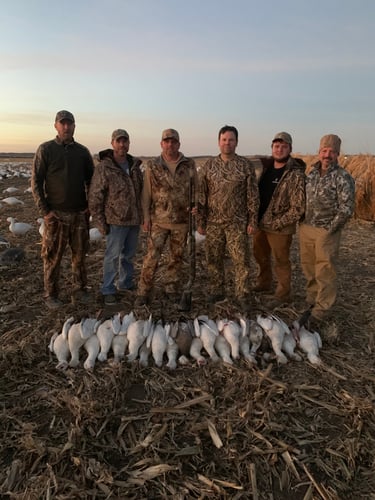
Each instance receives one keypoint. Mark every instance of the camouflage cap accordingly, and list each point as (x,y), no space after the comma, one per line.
(119,132)
(64,115)
(330,141)
(170,133)
(283,136)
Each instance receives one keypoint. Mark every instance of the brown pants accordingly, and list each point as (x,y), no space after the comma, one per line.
(277,245)
(235,239)
(156,242)
(67,228)
(319,252)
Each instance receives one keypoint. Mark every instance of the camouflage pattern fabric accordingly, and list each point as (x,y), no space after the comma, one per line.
(66,228)
(235,238)
(228,192)
(166,196)
(330,199)
(114,196)
(287,204)
(156,242)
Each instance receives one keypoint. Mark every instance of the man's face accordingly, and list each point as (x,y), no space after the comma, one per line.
(65,130)
(170,147)
(121,146)
(327,156)
(227,143)
(281,151)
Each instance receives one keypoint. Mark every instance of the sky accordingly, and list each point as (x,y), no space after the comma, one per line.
(302,66)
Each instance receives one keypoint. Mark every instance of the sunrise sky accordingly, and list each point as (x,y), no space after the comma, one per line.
(303,66)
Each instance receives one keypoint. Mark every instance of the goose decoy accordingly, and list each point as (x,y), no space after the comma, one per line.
(11,200)
(18,228)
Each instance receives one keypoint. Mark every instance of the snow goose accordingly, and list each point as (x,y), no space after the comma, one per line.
(308,342)
(138,332)
(59,345)
(83,334)
(18,228)
(11,190)
(41,223)
(232,332)
(95,234)
(11,200)
(275,332)
(195,351)
(159,342)
(223,349)
(206,330)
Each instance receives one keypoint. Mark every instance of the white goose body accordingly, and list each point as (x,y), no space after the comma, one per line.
(223,348)
(232,332)
(59,345)
(78,336)
(195,351)
(18,228)
(309,343)
(206,330)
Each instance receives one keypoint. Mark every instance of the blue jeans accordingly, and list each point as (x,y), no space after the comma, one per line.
(120,250)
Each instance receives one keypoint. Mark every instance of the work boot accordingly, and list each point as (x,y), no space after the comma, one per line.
(142,300)
(218,297)
(110,300)
(53,303)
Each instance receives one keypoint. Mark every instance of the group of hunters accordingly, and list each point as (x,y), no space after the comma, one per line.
(230,203)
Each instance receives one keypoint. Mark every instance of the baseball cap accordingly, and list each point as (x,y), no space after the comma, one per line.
(119,132)
(330,141)
(64,115)
(170,133)
(283,136)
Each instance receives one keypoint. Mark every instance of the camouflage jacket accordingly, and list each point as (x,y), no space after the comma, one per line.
(165,197)
(228,192)
(61,175)
(330,198)
(287,204)
(114,196)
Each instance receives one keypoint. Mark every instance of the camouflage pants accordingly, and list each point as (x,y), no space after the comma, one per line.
(278,245)
(156,242)
(66,228)
(319,252)
(235,239)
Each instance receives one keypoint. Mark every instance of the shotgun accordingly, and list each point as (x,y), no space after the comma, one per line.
(185,302)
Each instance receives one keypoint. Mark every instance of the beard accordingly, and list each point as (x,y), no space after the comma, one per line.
(283,159)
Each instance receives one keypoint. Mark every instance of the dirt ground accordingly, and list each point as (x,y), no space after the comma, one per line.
(217,431)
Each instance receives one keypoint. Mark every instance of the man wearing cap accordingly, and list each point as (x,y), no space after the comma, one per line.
(115,206)
(330,199)
(61,174)
(282,204)
(227,214)
(165,202)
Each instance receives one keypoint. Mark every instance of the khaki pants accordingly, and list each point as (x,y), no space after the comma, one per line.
(65,228)
(235,239)
(156,242)
(319,252)
(277,245)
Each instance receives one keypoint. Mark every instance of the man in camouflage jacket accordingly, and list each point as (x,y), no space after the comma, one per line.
(330,199)
(115,206)
(282,204)
(227,214)
(165,203)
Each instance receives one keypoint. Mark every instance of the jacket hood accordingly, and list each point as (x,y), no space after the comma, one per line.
(107,154)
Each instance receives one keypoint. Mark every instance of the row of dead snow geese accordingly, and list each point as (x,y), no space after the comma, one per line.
(181,342)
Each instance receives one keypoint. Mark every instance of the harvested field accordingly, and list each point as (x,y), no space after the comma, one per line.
(217,431)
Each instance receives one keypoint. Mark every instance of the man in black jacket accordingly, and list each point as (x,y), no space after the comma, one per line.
(62,171)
